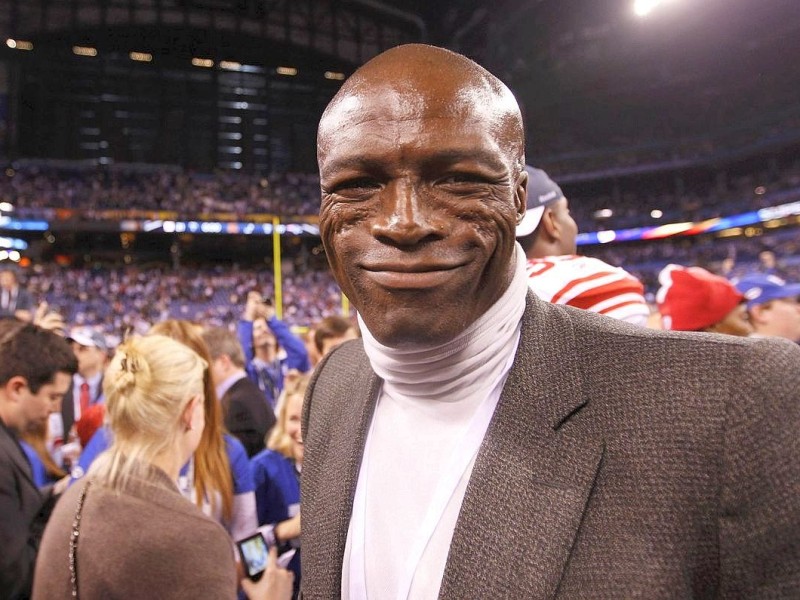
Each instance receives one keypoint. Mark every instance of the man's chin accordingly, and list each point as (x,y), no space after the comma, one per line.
(408,334)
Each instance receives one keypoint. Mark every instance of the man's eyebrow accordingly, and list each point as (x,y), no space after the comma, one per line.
(353,162)
(438,158)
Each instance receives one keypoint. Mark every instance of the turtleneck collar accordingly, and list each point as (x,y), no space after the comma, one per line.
(470,365)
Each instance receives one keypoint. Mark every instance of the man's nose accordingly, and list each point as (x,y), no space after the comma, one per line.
(407,216)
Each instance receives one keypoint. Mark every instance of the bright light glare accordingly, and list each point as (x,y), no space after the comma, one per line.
(656,214)
(642,8)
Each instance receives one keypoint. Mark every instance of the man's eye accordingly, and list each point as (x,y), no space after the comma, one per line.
(462,178)
(361,184)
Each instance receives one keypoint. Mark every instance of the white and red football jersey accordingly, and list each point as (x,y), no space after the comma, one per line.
(590,284)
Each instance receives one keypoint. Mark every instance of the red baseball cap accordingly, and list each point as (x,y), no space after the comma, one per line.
(691,298)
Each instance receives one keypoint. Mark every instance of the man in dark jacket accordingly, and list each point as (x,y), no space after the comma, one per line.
(35,371)
(246,412)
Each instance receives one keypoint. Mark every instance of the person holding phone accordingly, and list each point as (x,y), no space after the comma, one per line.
(276,474)
(124,530)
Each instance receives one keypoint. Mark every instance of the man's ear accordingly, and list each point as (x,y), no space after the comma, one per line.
(521,195)
(14,387)
(549,225)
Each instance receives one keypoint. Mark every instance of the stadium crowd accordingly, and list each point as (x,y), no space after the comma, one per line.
(39,188)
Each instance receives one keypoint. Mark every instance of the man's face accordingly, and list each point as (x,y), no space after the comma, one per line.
(35,409)
(779,317)
(90,359)
(735,322)
(262,334)
(419,207)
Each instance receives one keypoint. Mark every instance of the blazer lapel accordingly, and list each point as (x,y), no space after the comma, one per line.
(533,474)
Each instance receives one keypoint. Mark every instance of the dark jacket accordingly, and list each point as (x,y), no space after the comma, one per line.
(24,510)
(621,462)
(247,415)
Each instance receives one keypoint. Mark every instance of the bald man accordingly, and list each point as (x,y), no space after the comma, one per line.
(478,442)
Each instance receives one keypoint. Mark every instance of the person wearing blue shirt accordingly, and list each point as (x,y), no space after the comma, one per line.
(271,350)
(276,474)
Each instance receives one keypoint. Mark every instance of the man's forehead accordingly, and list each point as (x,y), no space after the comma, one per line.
(408,102)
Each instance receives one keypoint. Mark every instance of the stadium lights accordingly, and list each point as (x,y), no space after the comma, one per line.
(335,75)
(656,214)
(141,56)
(289,71)
(84,51)
(642,8)
(6,207)
(13,255)
(230,65)
(19,44)
(206,63)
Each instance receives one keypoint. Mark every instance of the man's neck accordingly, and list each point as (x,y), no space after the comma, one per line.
(230,377)
(89,374)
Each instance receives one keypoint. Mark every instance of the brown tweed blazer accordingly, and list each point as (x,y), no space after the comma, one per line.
(620,463)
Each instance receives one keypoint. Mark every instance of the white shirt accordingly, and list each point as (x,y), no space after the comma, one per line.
(430,419)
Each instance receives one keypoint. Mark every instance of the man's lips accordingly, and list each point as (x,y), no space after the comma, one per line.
(410,275)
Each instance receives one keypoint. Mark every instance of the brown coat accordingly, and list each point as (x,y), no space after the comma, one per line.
(148,542)
(620,463)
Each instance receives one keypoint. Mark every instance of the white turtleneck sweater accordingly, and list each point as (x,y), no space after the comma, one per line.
(431,416)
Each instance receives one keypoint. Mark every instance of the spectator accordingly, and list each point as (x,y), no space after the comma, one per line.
(692,299)
(773,305)
(15,301)
(246,414)
(547,234)
(332,331)
(84,398)
(276,473)
(35,370)
(217,477)
(270,348)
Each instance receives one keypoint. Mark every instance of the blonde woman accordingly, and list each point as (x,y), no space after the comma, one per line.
(124,530)
(217,477)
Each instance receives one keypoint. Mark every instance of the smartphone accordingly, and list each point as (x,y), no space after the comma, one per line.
(255,554)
